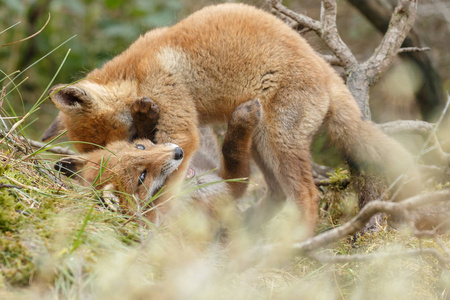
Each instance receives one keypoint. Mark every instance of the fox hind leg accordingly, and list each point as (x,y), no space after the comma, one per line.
(281,148)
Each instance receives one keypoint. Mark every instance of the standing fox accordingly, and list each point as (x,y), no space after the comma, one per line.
(131,174)
(199,70)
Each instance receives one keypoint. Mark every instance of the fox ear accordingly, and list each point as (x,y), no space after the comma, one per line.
(70,166)
(56,128)
(70,99)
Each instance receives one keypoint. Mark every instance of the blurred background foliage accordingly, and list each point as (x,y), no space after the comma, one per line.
(104,28)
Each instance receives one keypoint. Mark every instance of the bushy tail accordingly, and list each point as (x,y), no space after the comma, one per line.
(362,142)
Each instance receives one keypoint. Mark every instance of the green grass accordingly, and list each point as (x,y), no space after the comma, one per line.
(58,242)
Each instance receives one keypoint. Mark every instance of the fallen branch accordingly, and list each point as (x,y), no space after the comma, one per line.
(55,149)
(360,220)
(443,260)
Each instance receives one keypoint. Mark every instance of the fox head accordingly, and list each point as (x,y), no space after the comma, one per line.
(93,113)
(125,172)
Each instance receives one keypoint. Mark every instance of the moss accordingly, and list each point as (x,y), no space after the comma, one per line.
(43,242)
(10,216)
(15,261)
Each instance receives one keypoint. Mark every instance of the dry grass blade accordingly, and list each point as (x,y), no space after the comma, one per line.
(28,37)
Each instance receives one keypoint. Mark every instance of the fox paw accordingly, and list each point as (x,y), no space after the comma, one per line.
(247,115)
(144,110)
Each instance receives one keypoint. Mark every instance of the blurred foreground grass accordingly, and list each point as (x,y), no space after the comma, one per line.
(58,242)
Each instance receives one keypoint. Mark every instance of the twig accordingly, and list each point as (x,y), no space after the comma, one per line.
(432,137)
(28,187)
(343,183)
(56,149)
(422,128)
(372,208)
(3,185)
(299,18)
(413,49)
(379,256)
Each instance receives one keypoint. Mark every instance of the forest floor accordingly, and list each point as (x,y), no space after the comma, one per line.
(57,241)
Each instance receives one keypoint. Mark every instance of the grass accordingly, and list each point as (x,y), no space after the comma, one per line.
(58,242)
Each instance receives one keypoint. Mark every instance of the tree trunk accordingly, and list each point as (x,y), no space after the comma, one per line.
(360,88)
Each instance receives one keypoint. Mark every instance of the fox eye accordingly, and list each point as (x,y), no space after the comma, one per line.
(140,146)
(142,177)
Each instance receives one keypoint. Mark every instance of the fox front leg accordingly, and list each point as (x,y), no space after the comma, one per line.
(145,114)
(236,149)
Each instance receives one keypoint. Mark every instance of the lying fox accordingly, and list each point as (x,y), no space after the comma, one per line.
(141,168)
(199,70)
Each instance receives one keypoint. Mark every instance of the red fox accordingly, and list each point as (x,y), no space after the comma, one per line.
(140,168)
(199,70)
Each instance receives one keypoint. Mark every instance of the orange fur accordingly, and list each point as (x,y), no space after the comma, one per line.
(118,167)
(199,70)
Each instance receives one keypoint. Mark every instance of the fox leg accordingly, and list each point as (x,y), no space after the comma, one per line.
(272,201)
(281,147)
(287,172)
(178,125)
(236,147)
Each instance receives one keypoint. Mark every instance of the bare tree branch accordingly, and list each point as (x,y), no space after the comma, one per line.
(401,22)
(330,34)
(308,248)
(413,49)
(429,96)
(332,60)
(299,18)
(372,208)
(360,75)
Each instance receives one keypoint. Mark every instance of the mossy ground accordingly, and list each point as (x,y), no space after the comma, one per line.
(59,242)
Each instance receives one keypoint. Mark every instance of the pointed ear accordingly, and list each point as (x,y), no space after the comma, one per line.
(56,128)
(70,99)
(70,166)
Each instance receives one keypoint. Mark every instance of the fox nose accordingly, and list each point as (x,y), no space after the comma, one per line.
(178,153)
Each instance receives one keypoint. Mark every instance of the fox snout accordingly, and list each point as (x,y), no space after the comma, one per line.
(178,153)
